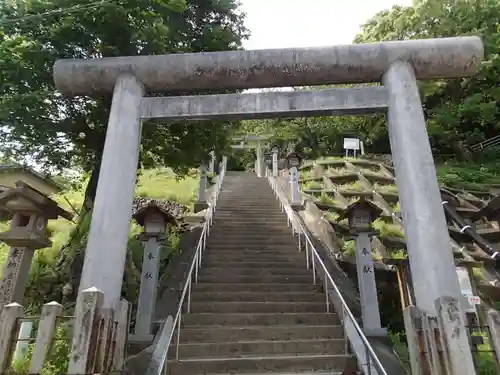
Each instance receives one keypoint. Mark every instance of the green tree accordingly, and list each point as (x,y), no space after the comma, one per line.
(57,132)
(458,111)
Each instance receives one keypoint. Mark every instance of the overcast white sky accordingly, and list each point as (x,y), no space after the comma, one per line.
(308,23)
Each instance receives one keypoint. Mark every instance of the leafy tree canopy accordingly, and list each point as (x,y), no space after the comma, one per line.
(459,110)
(58,132)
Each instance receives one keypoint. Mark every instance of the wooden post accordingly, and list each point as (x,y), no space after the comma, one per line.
(9,325)
(85,331)
(493,320)
(45,335)
(105,345)
(410,315)
(122,318)
(453,329)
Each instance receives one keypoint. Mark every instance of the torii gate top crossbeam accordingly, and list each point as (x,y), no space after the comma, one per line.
(430,58)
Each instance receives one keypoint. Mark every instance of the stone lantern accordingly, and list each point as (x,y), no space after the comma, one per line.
(293,161)
(361,215)
(154,218)
(29,210)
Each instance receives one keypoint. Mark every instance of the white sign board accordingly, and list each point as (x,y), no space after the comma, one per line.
(466,289)
(351,144)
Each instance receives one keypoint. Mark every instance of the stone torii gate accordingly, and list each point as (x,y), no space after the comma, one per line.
(250,141)
(396,64)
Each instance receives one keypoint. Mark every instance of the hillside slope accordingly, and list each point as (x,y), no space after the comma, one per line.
(51,267)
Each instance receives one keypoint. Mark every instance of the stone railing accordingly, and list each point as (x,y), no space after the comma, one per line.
(98,345)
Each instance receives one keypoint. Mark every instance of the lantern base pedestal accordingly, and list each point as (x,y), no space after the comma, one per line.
(134,338)
(200,206)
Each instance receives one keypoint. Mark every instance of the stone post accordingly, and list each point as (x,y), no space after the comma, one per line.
(148,289)
(294,187)
(370,312)
(9,318)
(259,160)
(154,218)
(275,162)
(108,236)
(46,333)
(429,250)
(211,165)
(30,212)
(201,204)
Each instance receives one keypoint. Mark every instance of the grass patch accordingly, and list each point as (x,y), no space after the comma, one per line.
(349,248)
(326,199)
(332,216)
(312,185)
(352,186)
(164,184)
(387,229)
(385,188)
(399,254)
(471,176)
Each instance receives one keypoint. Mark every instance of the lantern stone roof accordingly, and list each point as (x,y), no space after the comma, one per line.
(362,202)
(170,210)
(24,197)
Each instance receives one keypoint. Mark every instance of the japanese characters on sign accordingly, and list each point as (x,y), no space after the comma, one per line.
(10,275)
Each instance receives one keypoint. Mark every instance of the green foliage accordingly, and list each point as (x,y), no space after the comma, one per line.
(57,360)
(61,132)
(459,110)
(474,176)
(46,278)
(387,229)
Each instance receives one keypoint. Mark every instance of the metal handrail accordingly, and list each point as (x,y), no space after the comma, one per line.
(367,357)
(174,324)
(491,142)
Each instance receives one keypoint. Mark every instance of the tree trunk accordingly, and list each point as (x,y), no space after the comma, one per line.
(91,189)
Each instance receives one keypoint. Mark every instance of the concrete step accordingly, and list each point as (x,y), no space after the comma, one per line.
(259,348)
(192,334)
(255,226)
(257,364)
(225,278)
(247,214)
(261,225)
(259,319)
(292,247)
(260,205)
(256,307)
(243,233)
(257,297)
(256,287)
(252,241)
(247,271)
(286,373)
(264,256)
(299,264)
(248,243)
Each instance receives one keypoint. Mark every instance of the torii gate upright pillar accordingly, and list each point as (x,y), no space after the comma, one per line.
(107,241)
(433,275)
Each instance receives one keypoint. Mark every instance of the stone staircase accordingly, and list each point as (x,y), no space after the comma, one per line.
(254,308)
